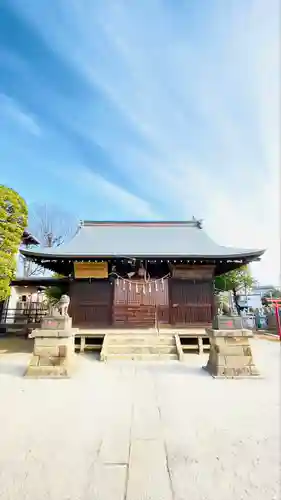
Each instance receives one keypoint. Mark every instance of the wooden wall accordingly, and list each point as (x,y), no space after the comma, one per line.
(178,302)
(91,303)
(191,303)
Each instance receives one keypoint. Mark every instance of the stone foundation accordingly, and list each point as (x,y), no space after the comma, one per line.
(53,353)
(230,354)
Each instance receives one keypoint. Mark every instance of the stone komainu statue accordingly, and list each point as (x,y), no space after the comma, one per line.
(221,306)
(63,304)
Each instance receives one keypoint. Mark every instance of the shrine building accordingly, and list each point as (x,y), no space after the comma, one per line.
(141,274)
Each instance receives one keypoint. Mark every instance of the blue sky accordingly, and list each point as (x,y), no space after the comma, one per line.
(151,109)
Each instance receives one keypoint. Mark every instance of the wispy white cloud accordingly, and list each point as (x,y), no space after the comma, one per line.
(106,192)
(12,111)
(204,95)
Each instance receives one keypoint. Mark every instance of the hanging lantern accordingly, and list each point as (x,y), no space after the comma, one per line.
(124,286)
(156,286)
(149,288)
(130,286)
(117,282)
(143,289)
(137,288)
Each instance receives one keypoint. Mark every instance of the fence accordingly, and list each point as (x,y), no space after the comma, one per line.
(24,313)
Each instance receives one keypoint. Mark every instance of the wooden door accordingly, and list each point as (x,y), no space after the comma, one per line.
(190,303)
(138,304)
(91,303)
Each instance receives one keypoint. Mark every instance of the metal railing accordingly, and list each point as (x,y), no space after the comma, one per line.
(32,313)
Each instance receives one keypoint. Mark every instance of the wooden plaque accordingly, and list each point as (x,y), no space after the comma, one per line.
(98,270)
(193,272)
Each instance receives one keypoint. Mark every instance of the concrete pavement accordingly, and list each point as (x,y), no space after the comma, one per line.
(138,431)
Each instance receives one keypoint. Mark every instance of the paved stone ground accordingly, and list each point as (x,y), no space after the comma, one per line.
(133,431)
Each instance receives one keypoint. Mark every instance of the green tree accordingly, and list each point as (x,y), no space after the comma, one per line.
(234,281)
(54,293)
(274,293)
(13,221)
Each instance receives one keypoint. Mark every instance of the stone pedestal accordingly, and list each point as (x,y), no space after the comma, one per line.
(230,354)
(53,353)
(271,322)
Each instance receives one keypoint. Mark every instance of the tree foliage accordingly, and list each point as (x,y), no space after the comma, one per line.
(54,293)
(234,281)
(13,221)
(274,293)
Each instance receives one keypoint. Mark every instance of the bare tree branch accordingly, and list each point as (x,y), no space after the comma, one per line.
(52,227)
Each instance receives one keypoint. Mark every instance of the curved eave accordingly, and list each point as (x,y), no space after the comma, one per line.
(249,255)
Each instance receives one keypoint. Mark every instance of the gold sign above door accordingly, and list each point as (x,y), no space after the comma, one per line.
(98,270)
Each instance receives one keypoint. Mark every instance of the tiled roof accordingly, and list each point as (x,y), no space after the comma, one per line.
(143,239)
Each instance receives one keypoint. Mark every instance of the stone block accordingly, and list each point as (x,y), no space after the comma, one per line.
(238,361)
(49,361)
(53,341)
(247,350)
(244,371)
(46,351)
(56,323)
(148,477)
(242,341)
(46,372)
(230,350)
(66,333)
(213,333)
(227,322)
(217,341)
(34,360)
(62,370)
(217,359)
(53,349)
(230,354)
(247,333)
(63,351)
(43,333)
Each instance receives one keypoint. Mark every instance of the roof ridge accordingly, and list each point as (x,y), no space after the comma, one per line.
(193,223)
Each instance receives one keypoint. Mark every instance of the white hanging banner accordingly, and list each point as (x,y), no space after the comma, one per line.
(127,283)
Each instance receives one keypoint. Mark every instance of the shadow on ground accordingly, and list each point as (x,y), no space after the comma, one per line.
(11,344)
(13,369)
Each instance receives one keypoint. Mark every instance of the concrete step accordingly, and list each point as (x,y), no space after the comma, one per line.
(138,346)
(141,357)
(141,339)
(141,349)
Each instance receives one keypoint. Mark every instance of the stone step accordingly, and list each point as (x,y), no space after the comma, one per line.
(140,349)
(141,339)
(138,341)
(141,357)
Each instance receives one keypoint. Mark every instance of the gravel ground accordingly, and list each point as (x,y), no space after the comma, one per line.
(134,431)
